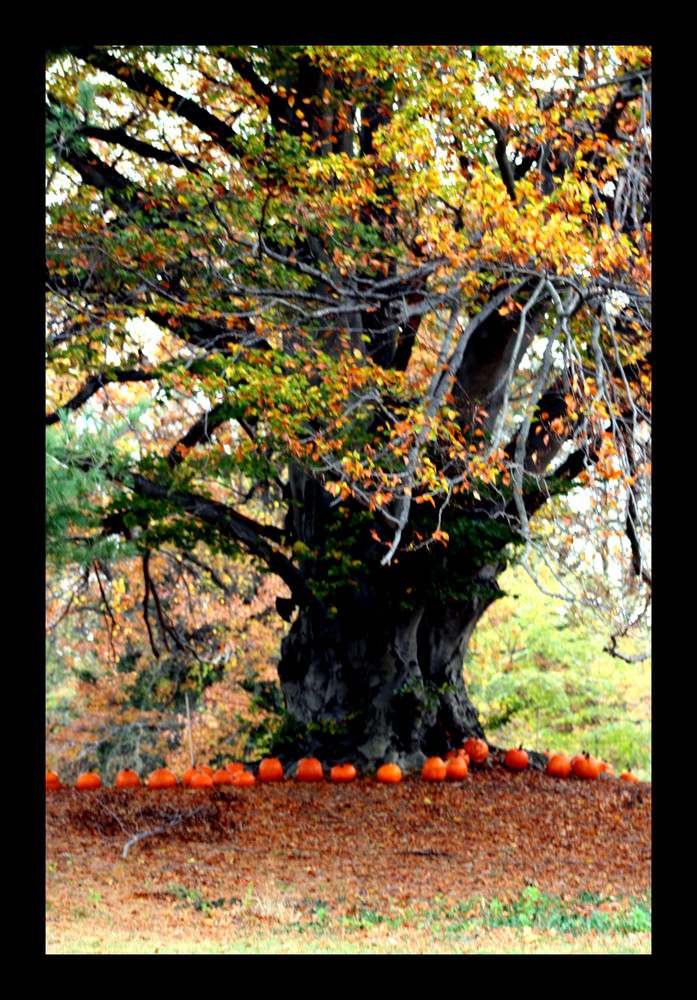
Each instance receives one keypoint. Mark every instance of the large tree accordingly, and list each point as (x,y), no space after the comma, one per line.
(390,305)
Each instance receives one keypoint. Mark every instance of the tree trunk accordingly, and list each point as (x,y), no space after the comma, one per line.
(374,670)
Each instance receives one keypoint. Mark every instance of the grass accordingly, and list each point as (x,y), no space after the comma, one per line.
(266,924)
(532,910)
(277,943)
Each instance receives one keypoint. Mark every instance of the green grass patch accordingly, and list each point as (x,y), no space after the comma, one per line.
(588,912)
(584,914)
(532,921)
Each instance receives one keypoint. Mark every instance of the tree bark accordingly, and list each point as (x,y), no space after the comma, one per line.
(374,670)
(380,688)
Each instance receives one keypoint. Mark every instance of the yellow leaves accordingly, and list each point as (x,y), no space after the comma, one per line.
(380,499)
(341,490)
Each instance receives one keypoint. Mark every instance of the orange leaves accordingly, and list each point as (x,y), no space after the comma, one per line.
(379,500)
(509,307)
(341,490)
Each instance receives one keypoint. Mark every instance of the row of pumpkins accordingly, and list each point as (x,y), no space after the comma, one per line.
(453,768)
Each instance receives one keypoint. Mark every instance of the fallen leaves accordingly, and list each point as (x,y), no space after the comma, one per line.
(295,846)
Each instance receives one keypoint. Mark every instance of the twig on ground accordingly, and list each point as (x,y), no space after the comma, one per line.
(176,820)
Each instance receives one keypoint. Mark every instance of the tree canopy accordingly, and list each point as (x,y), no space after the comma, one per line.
(369,316)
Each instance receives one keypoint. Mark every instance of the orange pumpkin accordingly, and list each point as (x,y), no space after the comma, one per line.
(221,777)
(309,769)
(162,778)
(127,778)
(457,753)
(199,769)
(516,759)
(477,750)
(342,772)
(88,779)
(201,780)
(233,767)
(585,766)
(242,779)
(389,774)
(270,769)
(606,768)
(456,768)
(628,776)
(52,780)
(433,769)
(558,765)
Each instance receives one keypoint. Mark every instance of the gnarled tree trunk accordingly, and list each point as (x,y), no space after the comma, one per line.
(374,670)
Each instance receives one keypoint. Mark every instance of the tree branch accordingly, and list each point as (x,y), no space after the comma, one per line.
(249,534)
(613,651)
(94,171)
(143,83)
(199,432)
(94,383)
(505,165)
(630,90)
(122,138)
(146,580)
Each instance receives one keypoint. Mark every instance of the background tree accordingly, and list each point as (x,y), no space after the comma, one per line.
(388,305)
(539,674)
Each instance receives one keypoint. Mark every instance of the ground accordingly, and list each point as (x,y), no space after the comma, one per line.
(357,867)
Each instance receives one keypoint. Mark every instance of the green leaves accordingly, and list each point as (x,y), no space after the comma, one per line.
(77,486)
(533,665)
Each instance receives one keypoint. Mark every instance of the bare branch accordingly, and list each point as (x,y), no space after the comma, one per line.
(175,820)
(613,651)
